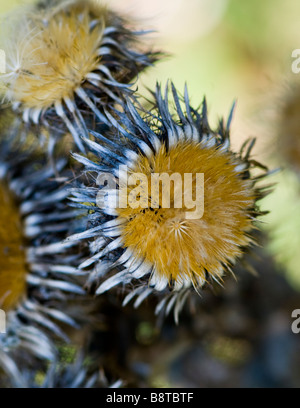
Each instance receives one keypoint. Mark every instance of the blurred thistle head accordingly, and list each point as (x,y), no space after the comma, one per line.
(288,128)
(68,59)
(173,236)
(80,372)
(38,277)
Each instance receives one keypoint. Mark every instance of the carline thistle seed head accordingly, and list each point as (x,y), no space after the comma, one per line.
(66,60)
(288,128)
(158,248)
(38,274)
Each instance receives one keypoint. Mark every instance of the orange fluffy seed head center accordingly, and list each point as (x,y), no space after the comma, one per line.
(12,254)
(181,248)
(55,58)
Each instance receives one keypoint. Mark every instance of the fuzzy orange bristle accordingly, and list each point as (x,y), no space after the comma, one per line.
(12,254)
(181,248)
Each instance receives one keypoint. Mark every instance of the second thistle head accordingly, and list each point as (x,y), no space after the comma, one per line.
(66,60)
